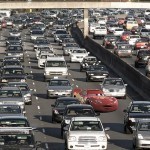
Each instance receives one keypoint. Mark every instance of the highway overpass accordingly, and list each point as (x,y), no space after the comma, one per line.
(65,4)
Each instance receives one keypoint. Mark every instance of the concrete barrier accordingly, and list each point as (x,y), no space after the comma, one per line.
(134,78)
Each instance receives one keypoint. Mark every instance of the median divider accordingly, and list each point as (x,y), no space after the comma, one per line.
(130,75)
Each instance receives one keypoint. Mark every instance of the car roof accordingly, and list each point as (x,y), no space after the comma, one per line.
(14,117)
(85,119)
(13,66)
(56,58)
(144,120)
(140,102)
(67,99)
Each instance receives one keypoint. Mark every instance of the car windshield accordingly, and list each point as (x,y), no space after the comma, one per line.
(144,126)
(9,109)
(116,82)
(15,48)
(86,126)
(144,53)
(79,112)
(140,108)
(65,103)
(21,87)
(10,93)
(17,22)
(97,67)
(16,139)
(78,51)
(56,64)
(37,32)
(41,42)
(9,63)
(59,83)
(12,71)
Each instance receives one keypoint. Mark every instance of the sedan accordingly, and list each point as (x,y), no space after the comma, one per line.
(114,87)
(59,88)
(60,105)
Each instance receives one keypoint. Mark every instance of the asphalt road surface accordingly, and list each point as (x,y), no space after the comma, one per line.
(39,113)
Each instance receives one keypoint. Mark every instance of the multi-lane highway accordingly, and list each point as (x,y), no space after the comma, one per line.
(39,113)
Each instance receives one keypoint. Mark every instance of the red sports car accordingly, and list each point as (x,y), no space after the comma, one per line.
(103,103)
(97,99)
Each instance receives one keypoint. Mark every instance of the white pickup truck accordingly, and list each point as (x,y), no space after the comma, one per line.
(85,133)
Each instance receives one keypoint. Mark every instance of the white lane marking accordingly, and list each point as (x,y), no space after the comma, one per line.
(46,145)
(108,136)
(34,90)
(26,52)
(40,117)
(38,107)
(36,98)
(72,79)
(43,130)
(77,86)
(33,83)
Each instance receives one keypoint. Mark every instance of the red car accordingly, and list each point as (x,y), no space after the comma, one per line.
(103,103)
(141,43)
(82,95)
(97,99)
(125,35)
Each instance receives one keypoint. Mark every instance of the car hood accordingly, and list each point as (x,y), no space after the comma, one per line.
(145,134)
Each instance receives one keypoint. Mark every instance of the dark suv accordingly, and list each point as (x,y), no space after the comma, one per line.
(76,110)
(142,58)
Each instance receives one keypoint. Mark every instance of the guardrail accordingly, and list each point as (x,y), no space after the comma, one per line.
(134,78)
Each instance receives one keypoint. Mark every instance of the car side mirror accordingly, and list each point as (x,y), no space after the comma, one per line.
(97,113)
(107,129)
(66,128)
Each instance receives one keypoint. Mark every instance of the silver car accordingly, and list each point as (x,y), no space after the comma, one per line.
(58,88)
(141,134)
(114,87)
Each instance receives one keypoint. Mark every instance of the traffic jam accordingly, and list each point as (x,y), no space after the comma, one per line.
(55,95)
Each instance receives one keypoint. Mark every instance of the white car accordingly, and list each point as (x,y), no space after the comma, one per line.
(77,55)
(42,59)
(92,27)
(133,39)
(86,133)
(99,32)
(147,25)
(118,31)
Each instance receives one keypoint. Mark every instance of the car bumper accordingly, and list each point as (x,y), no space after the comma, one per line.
(143,144)
(115,94)
(76,59)
(97,78)
(87,146)
(58,94)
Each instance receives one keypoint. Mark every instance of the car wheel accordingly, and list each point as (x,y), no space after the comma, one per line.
(136,65)
(87,79)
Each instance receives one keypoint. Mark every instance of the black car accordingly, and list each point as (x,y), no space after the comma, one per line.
(12,74)
(88,61)
(96,73)
(76,110)
(135,111)
(13,39)
(60,105)
(142,58)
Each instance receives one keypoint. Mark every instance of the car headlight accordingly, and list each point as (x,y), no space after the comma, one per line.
(71,138)
(132,119)
(23,80)
(9,54)
(91,74)
(27,95)
(140,136)
(56,112)
(122,90)
(67,121)
(4,80)
(105,90)
(102,138)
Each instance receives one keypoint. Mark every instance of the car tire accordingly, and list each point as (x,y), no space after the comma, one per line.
(136,65)
(125,129)
(94,37)
(87,79)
